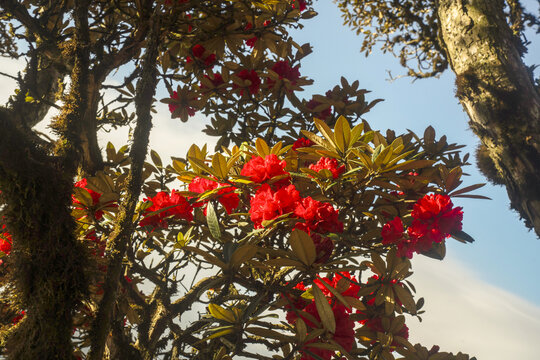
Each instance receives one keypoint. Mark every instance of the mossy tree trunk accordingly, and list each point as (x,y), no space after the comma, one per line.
(48,263)
(498,93)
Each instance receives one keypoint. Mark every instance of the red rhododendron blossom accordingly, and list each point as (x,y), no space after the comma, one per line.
(323,248)
(285,71)
(319,110)
(344,334)
(216,79)
(328,164)
(299,4)
(346,284)
(437,213)
(252,41)
(172,107)
(268,204)
(302,142)
(375,325)
(95,197)
(175,204)
(226,195)
(319,217)
(392,231)
(252,77)
(18,317)
(260,170)
(5,242)
(200,53)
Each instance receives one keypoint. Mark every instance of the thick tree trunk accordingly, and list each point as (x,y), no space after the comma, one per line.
(497,92)
(47,263)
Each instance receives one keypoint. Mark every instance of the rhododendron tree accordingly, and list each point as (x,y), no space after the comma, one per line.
(293,239)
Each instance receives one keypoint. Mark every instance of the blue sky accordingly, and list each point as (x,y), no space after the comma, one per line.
(484,297)
(505,253)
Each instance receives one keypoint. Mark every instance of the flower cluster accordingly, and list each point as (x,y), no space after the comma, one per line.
(166,205)
(182,101)
(306,309)
(261,170)
(83,184)
(225,195)
(302,142)
(5,241)
(320,110)
(370,317)
(434,219)
(285,71)
(318,217)
(202,56)
(251,80)
(269,202)
(330,165)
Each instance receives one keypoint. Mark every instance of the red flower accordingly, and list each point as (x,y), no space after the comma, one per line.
(299,4)
(253,79)
(200,53)
(435,216)
(344,334)
(319,110)
(434,219)
(251,41)
(95,197)
(392,231)
(172,107)
(319,217)
(328,164)
(226,195)
(285,71)
(268,204)
(375,325)
(177,207)
(341,282)
(302,142)
(216,80)
(260,170)
(18,317)
(323,248)
(5,242)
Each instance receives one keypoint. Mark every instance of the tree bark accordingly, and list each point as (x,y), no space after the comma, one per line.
(498,93)
(47,263)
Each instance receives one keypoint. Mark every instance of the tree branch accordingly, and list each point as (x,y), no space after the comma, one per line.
(121,234)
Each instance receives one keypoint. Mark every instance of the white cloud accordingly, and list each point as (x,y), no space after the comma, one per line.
(464,313)
(10,67)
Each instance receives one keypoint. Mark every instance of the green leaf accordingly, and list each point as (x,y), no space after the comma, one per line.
(342,134)
(262,147)
(405,297)
(325,131)
(220,313)
(437,251)
(325,311)
(303,247)
(462,236)
(219,165)
(243,254)
(272,334)
(212,220)
(336,293)
(156,159)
